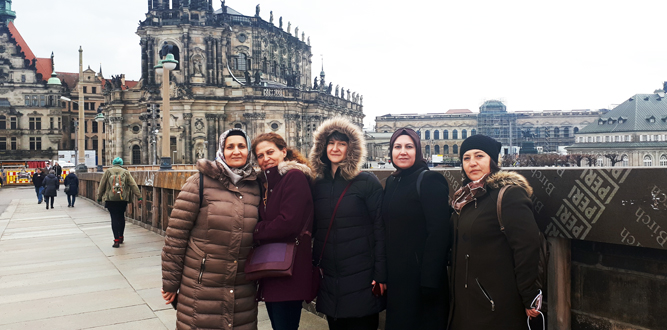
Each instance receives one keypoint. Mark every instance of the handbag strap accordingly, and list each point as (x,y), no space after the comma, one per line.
(499,207)
(333,215)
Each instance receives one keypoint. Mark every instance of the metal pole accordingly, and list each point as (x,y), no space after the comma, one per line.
(81,166)
(166,157)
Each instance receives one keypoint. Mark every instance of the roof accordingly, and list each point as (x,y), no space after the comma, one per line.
(619,145)
(458,111)
(633,115)
(69,78)
(230,11)
(43,65)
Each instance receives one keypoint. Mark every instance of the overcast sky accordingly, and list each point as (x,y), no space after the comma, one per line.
(412,56)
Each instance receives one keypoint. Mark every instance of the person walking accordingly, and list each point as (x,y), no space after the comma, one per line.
(416,214)
(116,189)
(209,238)
(51,185)
(72,188)
(38,181)
(353,259)
(494,268)
(59,170)
(287,208)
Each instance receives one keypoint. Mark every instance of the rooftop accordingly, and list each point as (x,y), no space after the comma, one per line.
(642,112)
(42,65)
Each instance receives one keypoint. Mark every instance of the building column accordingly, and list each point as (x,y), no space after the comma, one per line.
(210,135)
(117,126)
(187,138)
(221,123)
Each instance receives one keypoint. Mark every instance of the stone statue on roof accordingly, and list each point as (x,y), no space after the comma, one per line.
(296,32)
(336,90)
(280,22)
(258,77)
(303,36)
(348,94)
(289,27)
(308,41)
(361,100)
(271,17)
(315,84)
(257,10)
(330,88)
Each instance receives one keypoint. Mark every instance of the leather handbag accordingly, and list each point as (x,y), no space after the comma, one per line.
(66,190)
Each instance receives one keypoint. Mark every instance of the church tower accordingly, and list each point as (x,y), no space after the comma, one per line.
(6,13)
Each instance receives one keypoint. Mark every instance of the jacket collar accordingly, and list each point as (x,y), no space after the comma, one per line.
(274,174)
(501,178)
(214,170)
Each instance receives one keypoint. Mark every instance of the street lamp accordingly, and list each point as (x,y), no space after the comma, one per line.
(163,67)
(100,146)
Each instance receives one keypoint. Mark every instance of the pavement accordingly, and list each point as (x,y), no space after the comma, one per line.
(59,271)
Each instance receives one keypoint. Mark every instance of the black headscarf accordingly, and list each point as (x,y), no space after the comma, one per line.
(419,158)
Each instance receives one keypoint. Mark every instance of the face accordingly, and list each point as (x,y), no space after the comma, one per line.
(476,163)
(268,155)
(336,151)
(236,151)
(404,152)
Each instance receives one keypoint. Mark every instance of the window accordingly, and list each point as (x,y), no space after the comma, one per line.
(464,134)
(597,139)
(51,101)
(95,144)
(3,143)
(51,123)
(136,154)
(445,150)
(95,127)
(648,160)
(42,100)
(59,123)
(94,90)
(13,123)
(22,78)
(663,160)
(455,135)
(265,66)
(455,149)
(590,139)
(35,143)
(27,100)
(241,62)
(12,143)
(556,132)
(104,127)
(35,102)
(427,135)
(75,106)
(427,150)
(35,123)
(445,135)
(625,161)
(3,122)
(617,138)
(436,135)
(473,132)
(600,161)
(606,138)
(85,126)
(436,149)
(566,132)
(85,89)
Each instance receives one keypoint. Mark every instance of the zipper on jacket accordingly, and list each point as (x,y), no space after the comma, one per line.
(465,284)
(486,294)
(201,269)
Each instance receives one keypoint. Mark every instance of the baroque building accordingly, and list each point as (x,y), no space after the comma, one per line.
(234,71)
(30,113)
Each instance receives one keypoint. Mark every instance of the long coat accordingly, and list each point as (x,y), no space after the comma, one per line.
(73,181)
(418,240)
(206,248)
(51,184)
(288,208)
(488,262)
(354,254)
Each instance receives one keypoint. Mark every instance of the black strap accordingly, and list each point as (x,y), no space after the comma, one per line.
(419,183)
(333,216)
(201,189)
(499,207)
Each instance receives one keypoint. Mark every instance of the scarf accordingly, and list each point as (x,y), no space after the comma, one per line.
(235,174)
(469,193)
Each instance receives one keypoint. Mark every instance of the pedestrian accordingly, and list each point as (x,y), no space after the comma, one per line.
(287,208)
(116,189)
(51,185)
(353,259)
(71,188)
(494,269)
(59,170)
(209,239)
(416,214)
(38,181)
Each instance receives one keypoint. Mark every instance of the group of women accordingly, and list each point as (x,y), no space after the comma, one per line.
(383,248)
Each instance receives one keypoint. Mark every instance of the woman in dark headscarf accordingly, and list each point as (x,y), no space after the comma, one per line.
(416,216)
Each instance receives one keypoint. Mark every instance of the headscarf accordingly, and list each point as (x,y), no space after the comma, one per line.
(117,161)
(419,158)
(235,174)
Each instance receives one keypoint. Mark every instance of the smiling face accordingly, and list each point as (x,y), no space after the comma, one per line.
(476,163)
(404,152)
(336,151)
(236,151)
(268,155)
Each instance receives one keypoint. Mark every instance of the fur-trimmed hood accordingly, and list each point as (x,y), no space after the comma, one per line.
(502,178)
(285,167)
(356,150)
(213,170)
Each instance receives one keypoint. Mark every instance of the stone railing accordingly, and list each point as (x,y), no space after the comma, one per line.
(607,231)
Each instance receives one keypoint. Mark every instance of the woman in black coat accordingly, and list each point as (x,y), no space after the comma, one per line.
(354,256)
(71,181)
(418,238)
(493,282)
(51,185)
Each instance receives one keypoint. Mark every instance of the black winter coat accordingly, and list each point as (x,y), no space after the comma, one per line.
(73,181)
(418,240)
(354,255)
(488,262)
(38,179)
(51,185)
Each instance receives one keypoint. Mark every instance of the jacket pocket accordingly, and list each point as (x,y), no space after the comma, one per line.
(487,295)
(202,268)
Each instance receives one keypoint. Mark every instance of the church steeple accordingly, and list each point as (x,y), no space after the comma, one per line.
(6,13)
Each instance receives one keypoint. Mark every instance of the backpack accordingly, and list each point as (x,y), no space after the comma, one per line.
(118,186)
(543,261)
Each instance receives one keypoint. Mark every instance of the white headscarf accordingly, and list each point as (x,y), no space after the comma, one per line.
(235,174)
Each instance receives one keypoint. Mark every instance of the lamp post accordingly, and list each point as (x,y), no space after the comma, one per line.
(81,166)
(100,146)
(166,65)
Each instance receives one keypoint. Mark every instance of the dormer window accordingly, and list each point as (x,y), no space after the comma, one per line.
(650,119)
(610,121)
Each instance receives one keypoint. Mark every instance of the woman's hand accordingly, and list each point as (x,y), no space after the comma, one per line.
(168,296)
(383,287)
(532,312)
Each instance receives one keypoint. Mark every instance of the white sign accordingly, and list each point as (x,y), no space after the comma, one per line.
(69,156)
(436,159)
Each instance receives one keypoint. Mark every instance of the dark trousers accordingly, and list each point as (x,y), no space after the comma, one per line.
(71,199)
(47,198)
(39,191)
(284,315)
(370,322)
(117,212)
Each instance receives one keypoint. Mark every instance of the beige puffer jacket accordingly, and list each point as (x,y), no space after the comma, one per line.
(205,252)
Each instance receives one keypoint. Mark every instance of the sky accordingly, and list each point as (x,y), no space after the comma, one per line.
(412,56)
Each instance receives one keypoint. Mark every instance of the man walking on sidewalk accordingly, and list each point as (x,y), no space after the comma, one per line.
(117,188)
(38,181)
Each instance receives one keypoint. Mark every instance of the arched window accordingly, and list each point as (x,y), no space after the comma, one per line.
(427,135)
(473,132)
(648,160)
(566,132)
(436,135)
(436,149)
(464,134)
(427,150)
(663,160)
(556,132)
(419,134)
(576,130)
(455,149)
(455,134)
(445,135)
(600,161)
(3,122)
(265,66)
(625,160)
(445,150)
(136,154)
(241,62)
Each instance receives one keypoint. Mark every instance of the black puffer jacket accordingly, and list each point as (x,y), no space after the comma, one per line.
(51,185)
(354,255)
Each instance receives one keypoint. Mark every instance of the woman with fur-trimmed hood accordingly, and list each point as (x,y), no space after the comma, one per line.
(353,259)
(493,281)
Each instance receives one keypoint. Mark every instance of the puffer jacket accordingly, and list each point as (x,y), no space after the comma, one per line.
(354,254)
(73,182)
(205,251)
(105,190)
(51,185)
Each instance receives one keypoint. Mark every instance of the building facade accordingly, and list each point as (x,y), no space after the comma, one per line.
(233,71)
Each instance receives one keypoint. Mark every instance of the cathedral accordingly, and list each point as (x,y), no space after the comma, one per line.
(233,70)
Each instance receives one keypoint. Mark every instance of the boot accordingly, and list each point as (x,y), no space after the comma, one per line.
(121,239)
(116,243)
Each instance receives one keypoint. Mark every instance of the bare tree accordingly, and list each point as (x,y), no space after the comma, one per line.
(614,158)
(592,159)
(577,158)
